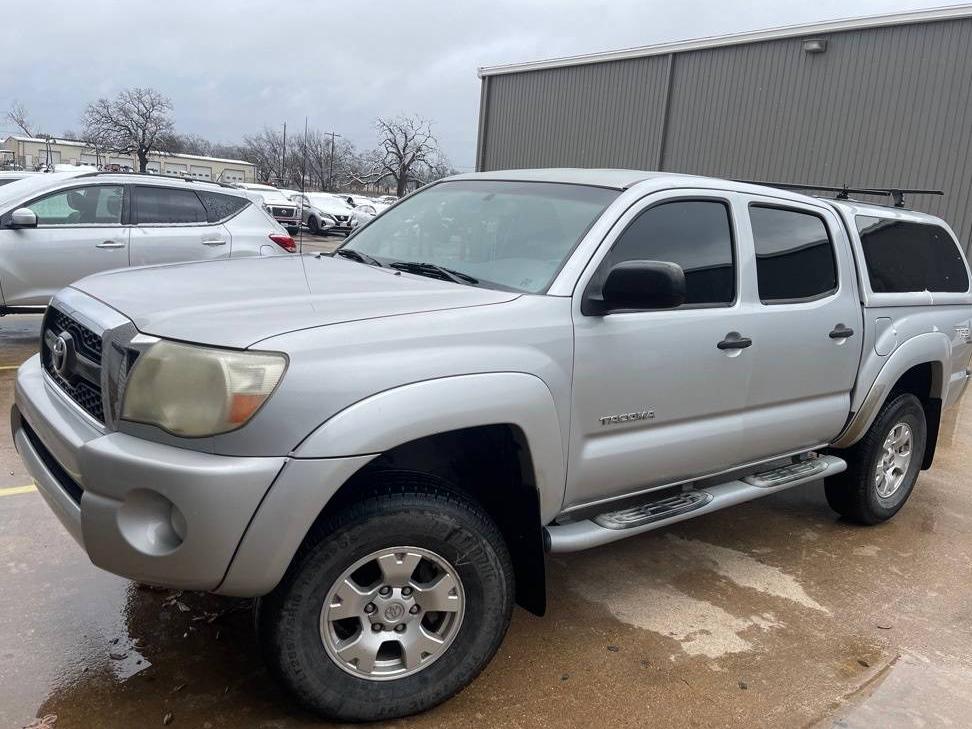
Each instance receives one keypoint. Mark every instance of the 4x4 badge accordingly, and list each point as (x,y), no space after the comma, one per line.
(627,417)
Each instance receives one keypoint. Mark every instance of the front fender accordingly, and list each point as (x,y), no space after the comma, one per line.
(350,439)
(931,347)
(389,419)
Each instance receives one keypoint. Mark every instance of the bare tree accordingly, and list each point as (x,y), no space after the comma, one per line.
(134,122)
(406,148)
(19,116)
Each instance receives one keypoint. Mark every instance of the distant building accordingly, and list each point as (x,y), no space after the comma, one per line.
(877,101)
(31,153)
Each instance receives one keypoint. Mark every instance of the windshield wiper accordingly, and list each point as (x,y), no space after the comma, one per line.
(358,256)
(435,271)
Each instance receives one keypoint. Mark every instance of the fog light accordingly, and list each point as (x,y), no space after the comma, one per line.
(151,523)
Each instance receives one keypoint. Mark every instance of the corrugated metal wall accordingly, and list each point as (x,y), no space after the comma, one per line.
(883,106)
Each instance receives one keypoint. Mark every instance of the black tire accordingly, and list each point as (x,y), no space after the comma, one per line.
(313,226)
(293,229)
(418,513)
(854,493)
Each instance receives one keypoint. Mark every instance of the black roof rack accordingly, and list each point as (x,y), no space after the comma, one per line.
(843,193)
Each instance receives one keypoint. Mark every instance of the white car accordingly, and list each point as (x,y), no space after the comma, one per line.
(280,207)
(324,213)
(58,227)
(367,212)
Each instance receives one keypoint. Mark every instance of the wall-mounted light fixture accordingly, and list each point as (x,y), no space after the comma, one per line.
(815,45)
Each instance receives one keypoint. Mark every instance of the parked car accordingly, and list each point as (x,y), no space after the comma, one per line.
(280,207)
(365,213)
(324,213)
(501,366)
(58,227)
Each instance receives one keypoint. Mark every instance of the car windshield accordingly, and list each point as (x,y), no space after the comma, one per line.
(509,235)
(274,196)
(323,200)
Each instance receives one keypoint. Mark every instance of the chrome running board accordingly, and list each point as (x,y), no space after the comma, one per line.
(655,514)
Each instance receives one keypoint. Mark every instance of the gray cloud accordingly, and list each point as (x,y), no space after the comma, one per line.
(233,66)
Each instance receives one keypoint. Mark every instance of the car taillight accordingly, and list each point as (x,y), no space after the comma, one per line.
(284,241)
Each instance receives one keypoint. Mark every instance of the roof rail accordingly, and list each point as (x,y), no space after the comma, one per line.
(843,193)
(184,178)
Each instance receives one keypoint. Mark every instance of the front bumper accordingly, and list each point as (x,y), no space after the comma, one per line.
(151,512)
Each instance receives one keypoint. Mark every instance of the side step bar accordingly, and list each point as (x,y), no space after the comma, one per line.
(613,526)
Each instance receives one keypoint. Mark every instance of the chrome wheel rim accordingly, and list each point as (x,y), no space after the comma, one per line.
(893,461)
(392,613)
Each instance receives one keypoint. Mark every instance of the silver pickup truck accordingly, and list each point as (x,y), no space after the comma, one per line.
(383,445)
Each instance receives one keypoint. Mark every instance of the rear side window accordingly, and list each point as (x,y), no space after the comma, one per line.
(905,256)
(695,234)
(167,205)
(794,255)
(220,207)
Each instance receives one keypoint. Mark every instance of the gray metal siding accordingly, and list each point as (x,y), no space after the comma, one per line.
(883,106)
(609,115)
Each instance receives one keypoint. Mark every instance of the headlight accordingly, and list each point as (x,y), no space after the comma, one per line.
(195,391)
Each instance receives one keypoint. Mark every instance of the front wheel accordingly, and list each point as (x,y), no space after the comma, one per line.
(883,466)
(313,226)
(400,603)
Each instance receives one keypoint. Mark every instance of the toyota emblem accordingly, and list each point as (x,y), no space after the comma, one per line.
(59,354)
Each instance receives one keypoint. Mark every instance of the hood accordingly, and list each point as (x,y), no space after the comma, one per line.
(238,302)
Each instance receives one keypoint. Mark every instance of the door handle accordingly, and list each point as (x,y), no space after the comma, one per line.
(841,332)
(214,242)
(733,340)
(109,244)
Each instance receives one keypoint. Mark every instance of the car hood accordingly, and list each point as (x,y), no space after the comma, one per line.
(239,302)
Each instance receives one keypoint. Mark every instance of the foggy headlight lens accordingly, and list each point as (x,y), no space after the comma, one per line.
(195,391)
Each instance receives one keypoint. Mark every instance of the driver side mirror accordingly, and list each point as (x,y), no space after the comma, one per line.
(23,218)
(637,285)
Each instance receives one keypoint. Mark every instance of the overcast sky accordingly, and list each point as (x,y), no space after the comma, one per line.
(234,66)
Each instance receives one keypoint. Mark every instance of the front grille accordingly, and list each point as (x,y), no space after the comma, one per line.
(79,373)
(284,212)
(342,218)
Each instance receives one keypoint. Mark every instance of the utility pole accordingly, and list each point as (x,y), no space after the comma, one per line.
(330,168)
(283,156)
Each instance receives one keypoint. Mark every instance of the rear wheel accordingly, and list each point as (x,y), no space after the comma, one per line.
(883,466)
(396,607)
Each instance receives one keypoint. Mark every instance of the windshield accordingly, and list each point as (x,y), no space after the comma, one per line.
(274,196)
(512,235)
(321,200)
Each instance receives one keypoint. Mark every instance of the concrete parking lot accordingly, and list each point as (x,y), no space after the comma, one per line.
(772,614)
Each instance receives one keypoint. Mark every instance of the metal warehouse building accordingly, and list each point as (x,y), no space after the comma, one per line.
(877,101)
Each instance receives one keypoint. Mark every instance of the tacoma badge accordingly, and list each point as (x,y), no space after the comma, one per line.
(627,417)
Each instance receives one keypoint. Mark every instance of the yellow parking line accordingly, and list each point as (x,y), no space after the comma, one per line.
(9,367)
(13,490)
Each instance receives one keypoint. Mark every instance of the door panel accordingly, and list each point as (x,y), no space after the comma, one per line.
(78,233)
(171,226)
(686,395)
(804,365)
(171,244)
(36,263)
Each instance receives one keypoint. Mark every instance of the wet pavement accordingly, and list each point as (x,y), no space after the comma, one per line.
(770,614)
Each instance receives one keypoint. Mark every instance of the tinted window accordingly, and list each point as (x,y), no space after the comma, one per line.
(904,256)
(794,255)
(219,206)
(694,234)
(162,205)
(96,205)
